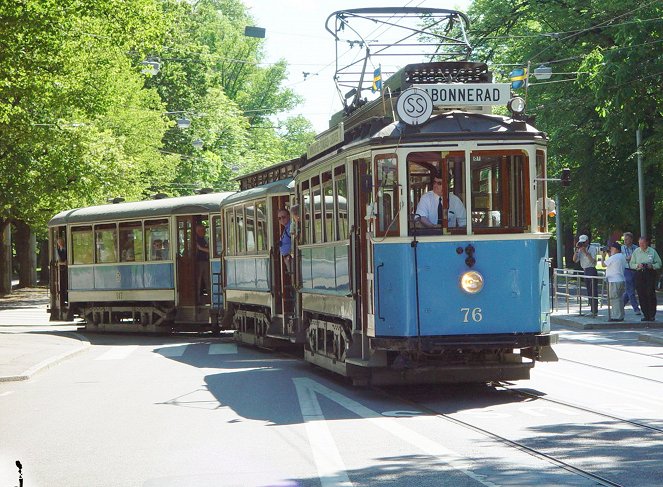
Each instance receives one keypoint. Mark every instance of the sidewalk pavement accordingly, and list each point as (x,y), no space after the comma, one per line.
(651,331)
(29,343)
(24,354)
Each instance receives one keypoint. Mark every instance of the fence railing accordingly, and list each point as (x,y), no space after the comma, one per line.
(570,291)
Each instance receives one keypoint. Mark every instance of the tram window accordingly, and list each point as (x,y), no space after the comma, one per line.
(543,205)
(261,226)
(328,204)
(82,245)
(131,242)
(306,214)
(216,231)
(342,207)
(230,231)
(249,211)
(424,168)
(317,210)
(105,239)
(387,189)
(240,230)
(498,190)
(157,240)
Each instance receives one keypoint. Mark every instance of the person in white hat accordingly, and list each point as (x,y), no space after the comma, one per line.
(586,255)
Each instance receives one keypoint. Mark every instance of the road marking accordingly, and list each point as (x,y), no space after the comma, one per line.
(328,461)
(172,350)
(312,414)
(6,393)
(222,348)
(117,353)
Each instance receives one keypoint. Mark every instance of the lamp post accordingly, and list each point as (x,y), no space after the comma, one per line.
(641,183)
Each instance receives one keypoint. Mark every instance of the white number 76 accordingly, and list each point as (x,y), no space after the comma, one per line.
(475,315)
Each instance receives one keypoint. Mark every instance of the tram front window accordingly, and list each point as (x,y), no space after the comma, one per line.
(499,199)
(436,186)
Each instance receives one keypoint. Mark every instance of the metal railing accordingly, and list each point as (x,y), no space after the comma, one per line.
(569,286)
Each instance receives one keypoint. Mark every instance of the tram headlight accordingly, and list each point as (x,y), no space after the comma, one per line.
(471,282)
(516,105)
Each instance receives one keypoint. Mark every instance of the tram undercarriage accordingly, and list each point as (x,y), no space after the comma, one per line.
(144,317)
(398,361)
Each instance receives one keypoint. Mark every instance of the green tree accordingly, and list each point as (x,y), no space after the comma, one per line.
(608,57)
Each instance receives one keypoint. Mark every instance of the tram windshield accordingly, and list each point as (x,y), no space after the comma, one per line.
(438,200)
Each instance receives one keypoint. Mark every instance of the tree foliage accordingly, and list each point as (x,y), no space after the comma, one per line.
(80,122)
(607,65)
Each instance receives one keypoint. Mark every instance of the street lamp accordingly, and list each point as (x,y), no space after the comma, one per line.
(151,66)
(198,144)
(183,123)
(543,72)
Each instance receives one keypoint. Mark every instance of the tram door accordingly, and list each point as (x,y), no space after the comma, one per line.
(186,260)
(363,250)
(283,273)
(59,273)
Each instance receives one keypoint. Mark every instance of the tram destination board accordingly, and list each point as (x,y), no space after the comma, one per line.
(457,94)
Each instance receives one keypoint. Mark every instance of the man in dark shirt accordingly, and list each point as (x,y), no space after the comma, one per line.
(285,241)
(202,262)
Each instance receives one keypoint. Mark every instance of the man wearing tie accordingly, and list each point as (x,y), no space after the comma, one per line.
(431,208)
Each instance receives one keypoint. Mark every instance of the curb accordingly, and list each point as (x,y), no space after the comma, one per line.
(50,362)
(555,320)
(650,338)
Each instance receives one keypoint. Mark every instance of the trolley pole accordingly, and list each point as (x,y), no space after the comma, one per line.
(641,183)
(558,232)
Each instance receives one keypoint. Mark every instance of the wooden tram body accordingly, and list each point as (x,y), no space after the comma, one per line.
(132,266)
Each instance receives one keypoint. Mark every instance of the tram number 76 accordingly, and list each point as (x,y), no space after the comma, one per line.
(473,313)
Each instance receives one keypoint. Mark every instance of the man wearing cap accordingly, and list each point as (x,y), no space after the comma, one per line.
(629,274)
(614,273)
(587,258)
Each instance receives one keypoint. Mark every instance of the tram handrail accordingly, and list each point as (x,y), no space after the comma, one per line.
(566,278)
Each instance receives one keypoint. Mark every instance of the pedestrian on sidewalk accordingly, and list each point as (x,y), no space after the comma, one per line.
(646,261)
(614,273)
(586,255)
(629,274)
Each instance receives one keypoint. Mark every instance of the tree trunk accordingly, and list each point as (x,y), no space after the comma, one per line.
(44,273)
(26,255)
(568,246)
(5,258)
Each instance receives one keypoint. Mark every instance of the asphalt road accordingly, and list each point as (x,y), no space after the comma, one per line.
(178,411)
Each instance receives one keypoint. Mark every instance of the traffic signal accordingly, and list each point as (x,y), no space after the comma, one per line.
(566,177)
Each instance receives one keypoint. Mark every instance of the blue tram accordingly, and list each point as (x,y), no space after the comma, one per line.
(383,290)
(136,266)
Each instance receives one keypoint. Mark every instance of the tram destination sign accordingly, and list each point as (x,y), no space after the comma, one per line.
(326,140)
(460,94)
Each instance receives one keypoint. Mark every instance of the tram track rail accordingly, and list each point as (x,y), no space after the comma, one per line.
(531,395)
(501,439)
(610,347)
(606,369)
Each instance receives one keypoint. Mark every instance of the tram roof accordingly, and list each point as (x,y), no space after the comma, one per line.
(459,124)
(282,186)
(182,205)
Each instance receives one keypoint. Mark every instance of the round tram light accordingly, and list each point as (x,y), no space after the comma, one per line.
(471,282)
(516,105)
